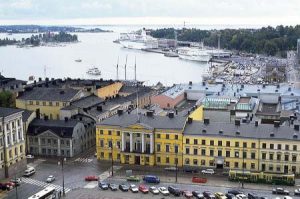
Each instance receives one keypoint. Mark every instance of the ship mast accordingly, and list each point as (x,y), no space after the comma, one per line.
(118,69)
(126,67)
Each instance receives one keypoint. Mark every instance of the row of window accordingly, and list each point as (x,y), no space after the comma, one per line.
(279,157)
(279,147)
(220,153)
(44,103)
(118,133)
(17,151)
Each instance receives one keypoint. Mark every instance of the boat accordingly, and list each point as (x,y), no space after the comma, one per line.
(139,41)
(171,54)
(94,71)
(78,60)
(194,54)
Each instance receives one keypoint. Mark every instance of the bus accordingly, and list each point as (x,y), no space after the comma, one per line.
(47,193)
(262,177)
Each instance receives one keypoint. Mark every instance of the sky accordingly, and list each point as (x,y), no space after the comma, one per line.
(110,12)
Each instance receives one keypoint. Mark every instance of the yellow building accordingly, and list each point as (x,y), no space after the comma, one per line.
(110,90)
(12,143)
(47,101)
(159,140)
(142,140)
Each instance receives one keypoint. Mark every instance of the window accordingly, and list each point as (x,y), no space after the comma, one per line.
(176,148)
(219,143)
(187,161)
(109,132)
(195,151)
(187,141)
(158,159)
(176,137)
(212,143)
(252,165)
(37,103)
(167,160)
(253,145)
(16,151)
(44,104)
(101,143)
(237,154)
(294,158)
(244,144)
(264,145)
(211,163)
(49,141)
(110,143)
(271,156)
(167,148)
(101,132)
(237,144)
(279,157)
(203,152)
(244,165)
(271,146)
(167,136)
(278,169)
(57,103)
(203,142)
(158,136)
(21,149)
(287,147)
(118,133)
(211,152)
(195,162)
(187,150)
(227,164)
(252,155)
(227,154)
(286,157)
(228,143)
(279,146)
(50,103)
(263,156)
(203,162)
(158,147)
(195,141)
(244,154)
(270,167)
(119,145)
(220,153)
(31,102)
(294,147)
(236,165)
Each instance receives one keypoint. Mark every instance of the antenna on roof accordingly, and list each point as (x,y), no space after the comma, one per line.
(45,72)
(126,66)
(118,69)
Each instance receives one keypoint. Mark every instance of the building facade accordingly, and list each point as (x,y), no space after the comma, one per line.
(197,144)
(12,143)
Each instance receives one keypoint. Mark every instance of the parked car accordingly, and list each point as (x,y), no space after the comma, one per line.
(297,192)
(154,190)
(91,178)
(113,187)
(198,194)
(133,179)
(208,195)
(143,189)
(5,186)
(151,179)
(241,196)
(50,179)
(164,191)
(123,187)
(171,168)
(253,196)
(189,169)
(230,196)
(187,194)
(133,188)
(17,181)
(208,171)
(220,195)
(174,191)
(234,192)
(103,185)
(280,191)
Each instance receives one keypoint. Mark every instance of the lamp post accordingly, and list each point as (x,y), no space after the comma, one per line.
(112,158)
(176,166)
(243,166)
(61,162)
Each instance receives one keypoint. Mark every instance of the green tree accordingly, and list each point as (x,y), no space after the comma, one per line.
(270,48)
(7,99)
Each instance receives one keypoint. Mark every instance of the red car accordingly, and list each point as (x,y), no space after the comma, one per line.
(91,178)
(143,189)
(187,194)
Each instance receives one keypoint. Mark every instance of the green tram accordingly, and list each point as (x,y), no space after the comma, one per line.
(262,177)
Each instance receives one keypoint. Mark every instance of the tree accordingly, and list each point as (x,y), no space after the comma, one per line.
(270,48)
(7,99)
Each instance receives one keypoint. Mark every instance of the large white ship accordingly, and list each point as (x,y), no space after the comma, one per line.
(194,54)
(138,41)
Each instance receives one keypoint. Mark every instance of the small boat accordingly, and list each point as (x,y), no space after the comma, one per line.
(171,54)
(78,60)
(94,71)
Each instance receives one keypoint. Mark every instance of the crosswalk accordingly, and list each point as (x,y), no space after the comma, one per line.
(83,160)
(44,184)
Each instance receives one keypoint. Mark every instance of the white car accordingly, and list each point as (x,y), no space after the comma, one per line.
(133,188)
(164,191)
(50,179)
(287,197)
(208,171)
(29,156)
(241,196)
(154,190)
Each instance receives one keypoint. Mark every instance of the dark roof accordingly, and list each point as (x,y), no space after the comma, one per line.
(26,114)
(87,102)
(157,122)
(132,97)
(128,89)
(49,94)
(4,112)
(262,131)
(60,127)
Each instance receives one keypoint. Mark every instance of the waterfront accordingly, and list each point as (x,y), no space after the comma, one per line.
(95,49)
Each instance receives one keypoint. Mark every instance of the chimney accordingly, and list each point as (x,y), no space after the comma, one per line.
(149,113)
(256,123)
(206,121)
(66,119)
(190,120)
(120,112)
(171,115)
(37,112)
(40,79)
(203,83)
(237,122)
(62,92)
(276,124)
(190,83)
(80,118)
(296,127)
(99,108)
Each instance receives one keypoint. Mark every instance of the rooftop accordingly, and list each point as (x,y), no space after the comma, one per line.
(4,112)
(87,102)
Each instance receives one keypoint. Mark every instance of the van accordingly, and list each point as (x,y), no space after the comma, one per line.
(151,179)
(29,172)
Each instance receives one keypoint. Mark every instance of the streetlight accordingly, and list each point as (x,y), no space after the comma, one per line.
(61,162)
(243,166)
(112,157)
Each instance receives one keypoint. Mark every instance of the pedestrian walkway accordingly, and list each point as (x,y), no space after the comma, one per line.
(83,160)
(44,184)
